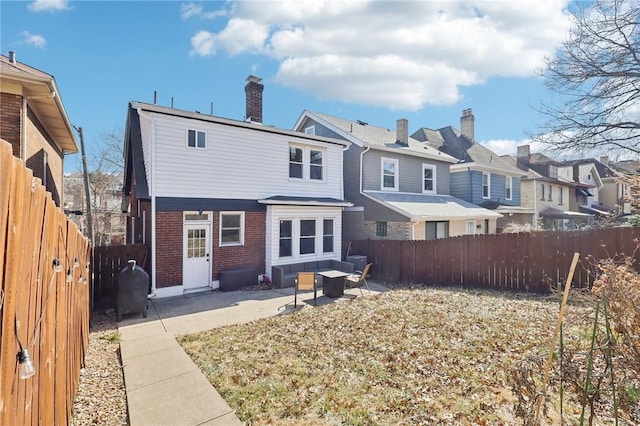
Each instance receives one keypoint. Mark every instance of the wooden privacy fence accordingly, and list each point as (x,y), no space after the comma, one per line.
(108,261)
(44,311)
(524,262)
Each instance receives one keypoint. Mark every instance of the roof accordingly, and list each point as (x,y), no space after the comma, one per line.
(305,201)
(40,90)
(431,207)
(554,213)
(377,137)
(259,127)
(134,157)
(453,142)
(603,170)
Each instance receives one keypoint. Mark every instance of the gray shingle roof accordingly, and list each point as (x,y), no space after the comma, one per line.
(374,136)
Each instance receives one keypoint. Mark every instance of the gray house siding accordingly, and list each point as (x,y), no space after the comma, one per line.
(320,129)
(409,172)
(467,185)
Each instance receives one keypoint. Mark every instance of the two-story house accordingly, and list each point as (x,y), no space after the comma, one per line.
(399,186)
(553,198)
(480,176)
(610,196)
(33,120)
(209,194)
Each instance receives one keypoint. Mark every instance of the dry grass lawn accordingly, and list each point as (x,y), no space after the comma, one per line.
(411,356)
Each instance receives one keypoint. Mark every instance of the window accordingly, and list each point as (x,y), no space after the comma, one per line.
(560,196)
(311,130)
(553,171)
(381,229)
(507,187)
(286,235)
(231,228)
(437,230)
(589,176)
(315,164)
(306,163)
(389,174)
(196,139)
(550,193)
(542,192)
(486,183)
(295,162)
(471,227)
(196,243)
(307,236)
(486,227)
(327,236)
(428,178)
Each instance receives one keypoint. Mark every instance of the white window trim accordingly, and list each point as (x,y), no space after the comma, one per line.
(231,213)
(311,130)
(509,184)
(471,227)
(306,162)
(186,138)
(396,180)
(432,168)
(333,235)
(293,238)
(488,175)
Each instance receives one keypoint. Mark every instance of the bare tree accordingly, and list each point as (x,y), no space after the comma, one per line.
(596,75)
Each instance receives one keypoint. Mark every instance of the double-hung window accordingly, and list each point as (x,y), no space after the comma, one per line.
(428,178)
(542,192)
(231,228)
(327,236)
(196,139)
(486,185)
(295,162)
(437,230)
(286,238)
(508,187)
(306,163)
(389,174)
(307,236)
(471,227)
(560,196)
(550,193)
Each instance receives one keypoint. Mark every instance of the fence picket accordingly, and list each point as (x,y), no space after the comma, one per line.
(524,262)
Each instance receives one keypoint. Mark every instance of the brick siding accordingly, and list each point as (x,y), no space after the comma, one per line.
(10,120)
(169,249)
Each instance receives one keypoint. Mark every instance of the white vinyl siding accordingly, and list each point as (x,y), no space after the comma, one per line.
(238,163)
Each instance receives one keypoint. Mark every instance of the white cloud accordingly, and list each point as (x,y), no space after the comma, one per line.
(48,5)
(33,39)
(187,10)
(203,44)
(394,54)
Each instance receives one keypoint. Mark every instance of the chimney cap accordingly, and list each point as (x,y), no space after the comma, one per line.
(12,56)
(467,112)
(254,79)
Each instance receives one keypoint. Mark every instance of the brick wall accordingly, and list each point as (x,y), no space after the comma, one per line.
(250,255)
(169,249)
(10,117)
(38,143)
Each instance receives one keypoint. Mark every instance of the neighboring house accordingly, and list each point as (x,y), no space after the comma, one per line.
(106,201)
(209,194)
(480,176)
(33,120)
(607,198)
(554,199)
(398,185)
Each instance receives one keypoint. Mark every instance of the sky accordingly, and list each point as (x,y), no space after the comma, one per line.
(375,61)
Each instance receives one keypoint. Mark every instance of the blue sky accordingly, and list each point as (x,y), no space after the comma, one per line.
(374,61)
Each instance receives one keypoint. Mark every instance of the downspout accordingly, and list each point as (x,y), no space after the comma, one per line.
(535,203)
(361,160)
(153,208)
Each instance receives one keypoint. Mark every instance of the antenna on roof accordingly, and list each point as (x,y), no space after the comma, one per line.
(155,97)
(172,102)
(362,123)
(211,107)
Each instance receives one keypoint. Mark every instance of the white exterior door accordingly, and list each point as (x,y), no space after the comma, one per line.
(197,260)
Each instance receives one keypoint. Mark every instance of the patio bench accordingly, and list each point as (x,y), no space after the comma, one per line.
(234,279)
(285,275)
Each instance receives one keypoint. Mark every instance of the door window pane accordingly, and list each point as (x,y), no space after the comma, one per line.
(196,243)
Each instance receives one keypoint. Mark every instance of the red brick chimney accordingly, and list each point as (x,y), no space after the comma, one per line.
(254,89)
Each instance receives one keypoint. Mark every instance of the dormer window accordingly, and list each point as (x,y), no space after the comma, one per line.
(553,171)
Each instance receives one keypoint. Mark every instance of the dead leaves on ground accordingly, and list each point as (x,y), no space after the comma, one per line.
(424,356)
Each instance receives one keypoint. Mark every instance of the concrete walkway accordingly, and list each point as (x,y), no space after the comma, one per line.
(164,387)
